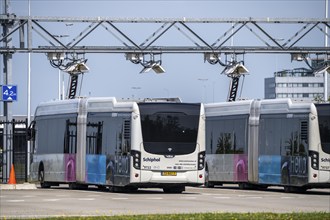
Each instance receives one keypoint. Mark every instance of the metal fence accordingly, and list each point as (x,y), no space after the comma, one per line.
(16,154)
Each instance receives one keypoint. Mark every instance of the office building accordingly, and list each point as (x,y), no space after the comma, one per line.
(298,84)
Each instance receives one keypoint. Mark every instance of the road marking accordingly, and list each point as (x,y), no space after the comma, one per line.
(86,199)
(287,197)
(221,197)
(28,196)
(120,198)
(155,198)
(243,195)
(254,197)
(16,200)
(212,194)
(61,195)
(50,200)
(189,197)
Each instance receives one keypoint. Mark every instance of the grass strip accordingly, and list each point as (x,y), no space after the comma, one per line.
(206,216)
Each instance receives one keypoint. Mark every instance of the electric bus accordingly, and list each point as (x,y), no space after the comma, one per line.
(268,143)
(118,144)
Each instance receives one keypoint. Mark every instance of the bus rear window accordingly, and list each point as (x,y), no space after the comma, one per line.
(171,129)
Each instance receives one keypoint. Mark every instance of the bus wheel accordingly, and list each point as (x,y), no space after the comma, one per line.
(294,189)
(101,187)
(41,178)
(207,183)
(242,186)
(73,186)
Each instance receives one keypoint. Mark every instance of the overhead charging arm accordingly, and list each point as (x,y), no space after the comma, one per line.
(233,88)
(75,70)
(73,86)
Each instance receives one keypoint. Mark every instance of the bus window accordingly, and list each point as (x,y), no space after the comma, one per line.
(323,111)
(70,138)
(51,133)
(94,138)
(171,131)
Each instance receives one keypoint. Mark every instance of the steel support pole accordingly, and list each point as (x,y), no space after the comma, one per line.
(7,106)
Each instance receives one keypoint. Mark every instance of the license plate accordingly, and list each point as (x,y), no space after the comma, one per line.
(168,173)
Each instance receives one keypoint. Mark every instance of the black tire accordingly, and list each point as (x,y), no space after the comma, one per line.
(207,183)
(41,177)
(294,189)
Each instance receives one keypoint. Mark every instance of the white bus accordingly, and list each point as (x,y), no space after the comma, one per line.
(268,142)
(123,145)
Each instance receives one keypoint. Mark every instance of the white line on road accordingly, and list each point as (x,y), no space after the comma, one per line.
(189,197)
(221,197)
(120,198)
(50,200)
(86,199)
(16,200)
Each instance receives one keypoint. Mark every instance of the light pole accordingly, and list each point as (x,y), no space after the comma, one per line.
(326,56)
(60,74)
(167,92)
(205,95)
(135,88)
(29,102)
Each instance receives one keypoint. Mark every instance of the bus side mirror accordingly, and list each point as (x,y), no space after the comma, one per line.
(31,132)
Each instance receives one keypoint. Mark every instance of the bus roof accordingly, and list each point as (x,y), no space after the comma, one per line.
(273,106)
(89,104)
(267,106)
(228,108)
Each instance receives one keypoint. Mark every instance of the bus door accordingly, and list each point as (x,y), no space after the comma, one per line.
(122,157)
(321,157)
(95,160)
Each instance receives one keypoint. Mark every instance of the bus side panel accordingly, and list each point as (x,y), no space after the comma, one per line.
(70,167)
(53,166)
(34,171)
(269,169)
(227,167)
(240,167)
(220,167)
(122,170)
(110,169)
(95,169)
(57,167)
(294,170)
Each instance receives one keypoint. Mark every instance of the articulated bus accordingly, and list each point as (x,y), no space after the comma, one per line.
(119,144)
(261,143)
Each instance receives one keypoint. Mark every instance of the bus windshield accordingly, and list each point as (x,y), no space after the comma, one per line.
(323,111)
(171,129)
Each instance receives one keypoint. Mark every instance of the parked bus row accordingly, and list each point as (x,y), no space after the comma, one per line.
(164,143)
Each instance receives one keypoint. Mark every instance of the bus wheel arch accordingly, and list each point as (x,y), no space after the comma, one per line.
(207,183)
(41,176)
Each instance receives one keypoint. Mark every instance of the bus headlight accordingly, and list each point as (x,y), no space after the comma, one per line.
(201,160)
(314,159)
(136,155)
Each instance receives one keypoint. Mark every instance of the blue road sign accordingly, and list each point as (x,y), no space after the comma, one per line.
(9,93)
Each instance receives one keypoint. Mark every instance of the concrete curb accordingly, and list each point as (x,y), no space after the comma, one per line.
(17,186)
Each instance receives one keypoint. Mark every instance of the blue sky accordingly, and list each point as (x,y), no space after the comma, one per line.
(112,75)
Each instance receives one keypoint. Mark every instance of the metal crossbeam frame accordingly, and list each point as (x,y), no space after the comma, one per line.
(25,30)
